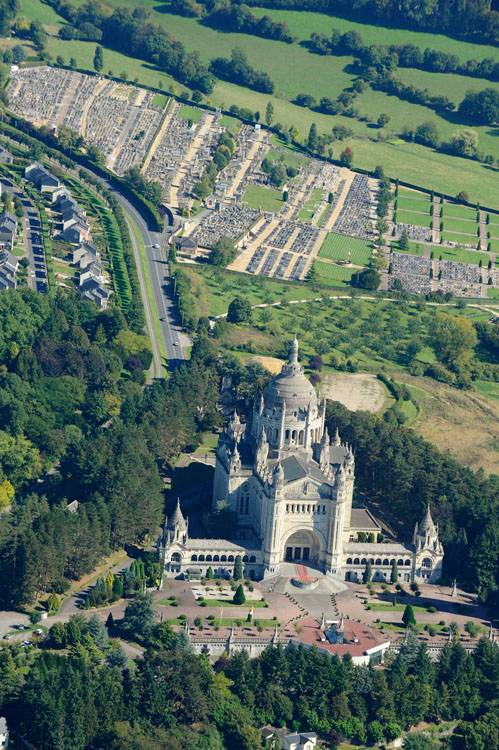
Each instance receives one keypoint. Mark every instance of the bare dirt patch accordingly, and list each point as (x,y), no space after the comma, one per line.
(357,391)
(462,422)
(272,364)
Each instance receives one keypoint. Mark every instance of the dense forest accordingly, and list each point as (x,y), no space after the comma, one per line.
(93,698)
(77,424)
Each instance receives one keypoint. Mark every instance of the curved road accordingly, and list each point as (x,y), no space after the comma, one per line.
(161,312)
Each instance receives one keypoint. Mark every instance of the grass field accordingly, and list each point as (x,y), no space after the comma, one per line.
(160,100)
(461,226)
(333,275)
(462,255)
(415,248)
(341,247)
(458,212)
(413,217)
(190,113)
(413,204)
(257,196)
(310,206)
(295,70)
(461,238)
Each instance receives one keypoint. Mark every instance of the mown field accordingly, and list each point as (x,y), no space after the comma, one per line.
(341,247)
(295,70)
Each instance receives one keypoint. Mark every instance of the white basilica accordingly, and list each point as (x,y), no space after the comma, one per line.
(290,488)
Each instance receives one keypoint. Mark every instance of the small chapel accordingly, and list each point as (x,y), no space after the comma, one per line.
(290,487)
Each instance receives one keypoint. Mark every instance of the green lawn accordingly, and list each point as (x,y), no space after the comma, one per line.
(310,206)
(266,199)
(461,226)
(341,247)
(414,248)
(412,217)
(255,603)
(413,204)
(160,100)
(493,293)
(458,212)
(190,113)
(463,239)
(486,387)
(385,606)
(451,85)
(462,255)
(333,275)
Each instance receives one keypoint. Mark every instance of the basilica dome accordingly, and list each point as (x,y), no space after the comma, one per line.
(291,386)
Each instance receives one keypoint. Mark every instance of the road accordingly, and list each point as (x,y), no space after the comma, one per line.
(174,343)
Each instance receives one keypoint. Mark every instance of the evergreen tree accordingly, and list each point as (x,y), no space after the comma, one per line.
(98,59)
(313,138)
(367,575)
(408,617)
(394,576)
(239,597)
(269,113)
(238,568)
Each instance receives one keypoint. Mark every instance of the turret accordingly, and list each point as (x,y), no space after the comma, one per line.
(336,440)
(177,526)
(426,534)
(262,452)
(278,478)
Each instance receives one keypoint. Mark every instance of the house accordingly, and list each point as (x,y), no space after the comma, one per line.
(4,733)
(84,255)
(8,270)
(279,738)
(301,741)
(93,286)
(76,233)
(186,246)
(8,229)
(43,180)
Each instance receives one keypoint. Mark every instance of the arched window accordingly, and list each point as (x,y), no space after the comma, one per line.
(378,561)
(223,558)
(208,558)
(363,561)
(194,558)
(201,558)
(356,561)
(349,560)
(371,560)
(407,562)
(176,557)
(293,436)
(286,436)
(300,437)
(216,558)
(427,562)
(230,558)
(400,562)
(245,558)
(276,434)
(252,558)
(385,562)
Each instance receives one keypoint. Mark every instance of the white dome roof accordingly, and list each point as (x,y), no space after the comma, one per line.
(291,386)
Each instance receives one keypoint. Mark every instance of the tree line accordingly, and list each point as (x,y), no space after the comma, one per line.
(93,697)
(402,55)
(473,19)
(237,69)
(240,19)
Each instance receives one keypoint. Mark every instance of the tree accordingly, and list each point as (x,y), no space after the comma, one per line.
(367,279)
(464,143)
(313,138)
(209,573)
(52,604)
(404,241)
(346,157)
(408,617)
(453,339)
(138,619)
(427,134)
(238,568)
(481,106)
(239,311)
(6,494)
(383,120)
(367,575)
(420,741)
(394,572)
(223,252)
(269,113)
(98,59)
(239,597)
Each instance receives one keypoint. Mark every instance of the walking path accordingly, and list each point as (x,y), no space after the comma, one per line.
(170,110)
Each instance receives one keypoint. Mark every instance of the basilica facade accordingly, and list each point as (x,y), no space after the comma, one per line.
(290,487)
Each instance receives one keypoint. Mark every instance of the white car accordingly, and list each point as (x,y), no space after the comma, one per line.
(156,245)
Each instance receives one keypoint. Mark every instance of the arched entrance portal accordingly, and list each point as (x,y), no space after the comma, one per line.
(302,546)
